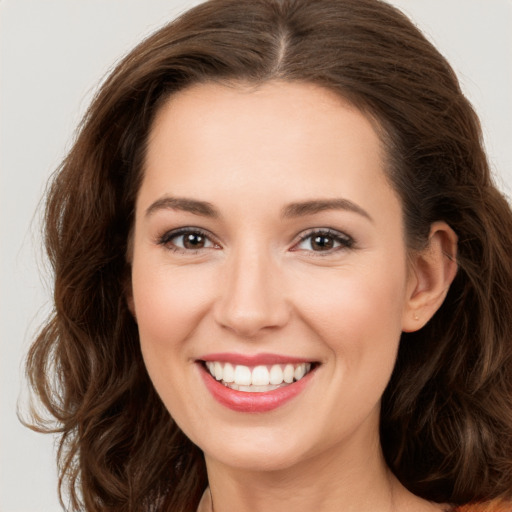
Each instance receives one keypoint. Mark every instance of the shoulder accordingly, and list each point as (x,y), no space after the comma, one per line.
(490,506)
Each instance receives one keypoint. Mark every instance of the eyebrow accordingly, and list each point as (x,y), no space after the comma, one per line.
(299,209)
(184,204)
(304,208)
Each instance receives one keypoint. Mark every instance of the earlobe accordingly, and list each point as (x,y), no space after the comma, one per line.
(431,274)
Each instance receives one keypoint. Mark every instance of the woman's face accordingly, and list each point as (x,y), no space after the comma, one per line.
(268,243)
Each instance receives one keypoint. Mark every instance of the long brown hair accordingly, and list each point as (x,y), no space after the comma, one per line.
(446,424)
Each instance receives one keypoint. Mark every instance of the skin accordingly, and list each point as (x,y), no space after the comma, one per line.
(257,285)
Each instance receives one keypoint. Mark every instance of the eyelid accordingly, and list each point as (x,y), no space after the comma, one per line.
(345,240)
(165,238)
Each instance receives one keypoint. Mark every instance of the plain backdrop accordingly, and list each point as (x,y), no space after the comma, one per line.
(53,53)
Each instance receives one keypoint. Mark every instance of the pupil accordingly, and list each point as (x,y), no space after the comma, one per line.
(322,242)
(193,241)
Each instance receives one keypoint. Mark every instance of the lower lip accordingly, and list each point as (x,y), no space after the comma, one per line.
(242,401)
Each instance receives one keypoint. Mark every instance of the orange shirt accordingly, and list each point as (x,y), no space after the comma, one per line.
(491,506)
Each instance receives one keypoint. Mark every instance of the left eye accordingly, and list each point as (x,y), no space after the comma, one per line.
(324,241)
(187,240)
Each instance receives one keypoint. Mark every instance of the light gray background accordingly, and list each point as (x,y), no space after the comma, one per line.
(53,53)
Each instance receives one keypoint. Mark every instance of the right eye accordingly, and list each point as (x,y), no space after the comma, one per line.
(324,241)
(187,240)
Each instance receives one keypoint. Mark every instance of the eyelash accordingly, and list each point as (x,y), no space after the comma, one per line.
(344,241)
(166,238)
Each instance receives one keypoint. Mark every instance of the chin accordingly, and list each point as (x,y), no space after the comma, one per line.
(261,452)
(260,462)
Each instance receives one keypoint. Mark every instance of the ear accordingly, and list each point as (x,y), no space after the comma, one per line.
(431,272)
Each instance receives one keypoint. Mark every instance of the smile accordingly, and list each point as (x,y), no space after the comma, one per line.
(257,379)
(255,384)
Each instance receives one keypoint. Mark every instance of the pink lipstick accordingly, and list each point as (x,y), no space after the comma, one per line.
(255,383)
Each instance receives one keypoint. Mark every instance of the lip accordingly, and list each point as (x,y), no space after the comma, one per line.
(241,401)
(253,359)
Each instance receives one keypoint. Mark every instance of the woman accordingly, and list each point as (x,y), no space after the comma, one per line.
(282,274)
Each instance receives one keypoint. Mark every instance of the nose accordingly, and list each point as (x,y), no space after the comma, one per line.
(252,298)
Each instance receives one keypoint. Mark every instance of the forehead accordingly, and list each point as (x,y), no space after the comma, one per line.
(299,108)
(278,139)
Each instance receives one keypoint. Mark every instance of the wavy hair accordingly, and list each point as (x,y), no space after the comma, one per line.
(446,422)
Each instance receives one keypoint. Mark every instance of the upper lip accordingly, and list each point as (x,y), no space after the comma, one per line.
(253,359)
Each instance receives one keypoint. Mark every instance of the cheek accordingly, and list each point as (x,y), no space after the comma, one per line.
(169,302)
(355,299)
(358,315)
(358,320)
(169,305)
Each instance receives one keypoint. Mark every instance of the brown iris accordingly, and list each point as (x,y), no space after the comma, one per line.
(194,241)
(322,243)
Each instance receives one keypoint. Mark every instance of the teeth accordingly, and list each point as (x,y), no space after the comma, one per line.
(259,378)
(228,373)
(217,370)
(243,375)
(288,373)
(300,371)
(276,375)
(255,389)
